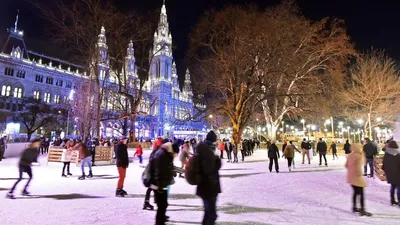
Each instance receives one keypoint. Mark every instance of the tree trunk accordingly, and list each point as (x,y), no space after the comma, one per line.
(236,134)
(29,134)
(132,130)
(271,131)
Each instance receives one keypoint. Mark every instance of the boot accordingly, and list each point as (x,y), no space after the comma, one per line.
(10,195)
(119,193)
(82,177)
(90,174)
(394,203)
(365,213)
(69,174)
(123,191)
(356,210)
(25,193)
(63,175)
(147,205)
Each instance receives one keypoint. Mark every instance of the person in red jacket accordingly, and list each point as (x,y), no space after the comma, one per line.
(139,153)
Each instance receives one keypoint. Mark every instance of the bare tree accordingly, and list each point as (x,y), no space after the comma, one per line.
(226,65)
(372,94)
(301,63)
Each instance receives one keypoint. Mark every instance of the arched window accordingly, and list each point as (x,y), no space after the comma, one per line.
(36,95)
(56,99)
(6,90)
(17,92)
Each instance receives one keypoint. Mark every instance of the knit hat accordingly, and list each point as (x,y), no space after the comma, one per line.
(211,136)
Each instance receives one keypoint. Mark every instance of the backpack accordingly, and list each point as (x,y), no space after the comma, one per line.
(192,170)
(146,175)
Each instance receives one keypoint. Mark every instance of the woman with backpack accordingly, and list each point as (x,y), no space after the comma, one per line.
(391,166)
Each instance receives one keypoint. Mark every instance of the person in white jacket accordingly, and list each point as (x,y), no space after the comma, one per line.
(66,158)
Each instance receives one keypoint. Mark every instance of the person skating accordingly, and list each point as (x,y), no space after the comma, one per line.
(157,144)
(284,146)
(95,144)
(221,149)
(228,149)
(28,156)
(354,177)
(66,159)
(139,154)
(243,153)
(273,155)
(184,155)
(163,174)
(289,155)
(322,148)
(209,186)
(121,154)
(391,166)
(84,155)
(334,150)
(3,147)
(346,149)
(370,151)
(306,146)
(236,147)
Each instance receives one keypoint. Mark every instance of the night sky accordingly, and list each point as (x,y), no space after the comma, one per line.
(370,23)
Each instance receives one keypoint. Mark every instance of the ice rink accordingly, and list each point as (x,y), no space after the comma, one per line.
(310,194)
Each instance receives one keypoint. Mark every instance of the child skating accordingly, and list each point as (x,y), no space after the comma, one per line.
(66,159)
(27,158)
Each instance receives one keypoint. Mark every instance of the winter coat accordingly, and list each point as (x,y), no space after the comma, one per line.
(83,151)
(333,147)
(346,148)
(221,146)
(283,147)
(391,165)
(139,151)
(322,148)
(184,153)
(228,146)
(162,167)
(370,150)
(28,156)
(273,151)
(305,145)
(209,166)
(289,151)
(121,154)
(354,163)
(66,155)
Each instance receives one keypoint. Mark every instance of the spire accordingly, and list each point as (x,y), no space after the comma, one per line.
(16,22)
(130,52)
(187,76)
(102,36)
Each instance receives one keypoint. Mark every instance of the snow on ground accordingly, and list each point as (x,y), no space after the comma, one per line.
(251,195)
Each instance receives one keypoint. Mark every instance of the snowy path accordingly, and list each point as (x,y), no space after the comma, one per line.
(251,195)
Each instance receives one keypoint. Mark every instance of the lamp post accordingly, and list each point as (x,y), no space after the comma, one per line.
(309,126)
(303,121)
(348,132)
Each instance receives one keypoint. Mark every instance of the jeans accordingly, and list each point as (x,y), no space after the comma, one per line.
(242,155)
(393,188)
(306,152)
(370,162)
(358,191)
(23,169)
(229,154)
(210,211)
(235,157)
(121,179)
(320,158)
(140,159)
(271,161)
(87,161)
(162,204)
(66,164)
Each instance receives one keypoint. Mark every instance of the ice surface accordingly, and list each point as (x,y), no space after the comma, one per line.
(251,195)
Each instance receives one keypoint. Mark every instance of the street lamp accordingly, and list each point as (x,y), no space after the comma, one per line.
(348,131)
(378,119)
(210,116)
(303,121)
(360,121)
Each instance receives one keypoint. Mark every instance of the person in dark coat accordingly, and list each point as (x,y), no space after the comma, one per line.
(284,146)
(391,166)
(370,151)
(27,158)
(322,148)
(334,150)
(229,149)
(347,149)
(209,186)
(273,155)
(121,155)
(162,176)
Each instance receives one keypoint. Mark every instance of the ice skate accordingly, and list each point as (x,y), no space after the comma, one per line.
(356,210)
(10,195)
(119,193)
(148,206)
(394,203)
(25,193)
(69,174)
(82,177)
(124,192)
(365,213)
(63,175)
(90,174)
(326,164)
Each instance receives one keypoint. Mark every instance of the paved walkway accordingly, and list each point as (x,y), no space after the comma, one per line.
(251,195)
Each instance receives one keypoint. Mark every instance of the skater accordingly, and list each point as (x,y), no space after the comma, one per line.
(322,149)
(284,146)
(162,174)
(27,158)
(289,155)
(354,177)
(184,155)
(209,186)
(3,147)
(122,164)
(306,146)
(139,153)
(370,152)
(222,148)
(243,153)
(46,145)
(84,155)
(273,155)
(391,166)
(346,149)
(156,146)
(66,159)
(228,149)
(95,144)
(334,150)
(236,146)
